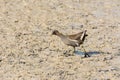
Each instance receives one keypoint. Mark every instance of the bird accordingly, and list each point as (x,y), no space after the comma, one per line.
(74,40)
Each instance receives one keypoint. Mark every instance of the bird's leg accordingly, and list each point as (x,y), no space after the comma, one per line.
(86,54)
(74,49)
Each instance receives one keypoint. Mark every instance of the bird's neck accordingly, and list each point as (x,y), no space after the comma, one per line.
(83,36)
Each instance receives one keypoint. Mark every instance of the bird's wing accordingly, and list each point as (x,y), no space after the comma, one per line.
(75,36)
(73,42)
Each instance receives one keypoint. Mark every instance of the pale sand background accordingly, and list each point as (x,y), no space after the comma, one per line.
(28,51)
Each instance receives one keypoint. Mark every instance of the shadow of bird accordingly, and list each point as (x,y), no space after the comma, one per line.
(74,40)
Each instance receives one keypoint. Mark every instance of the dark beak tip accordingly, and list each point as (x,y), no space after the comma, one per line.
(86,35)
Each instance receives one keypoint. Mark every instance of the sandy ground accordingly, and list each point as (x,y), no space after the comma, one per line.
(28,51)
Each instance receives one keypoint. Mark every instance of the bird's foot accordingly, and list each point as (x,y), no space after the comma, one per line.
(86,55)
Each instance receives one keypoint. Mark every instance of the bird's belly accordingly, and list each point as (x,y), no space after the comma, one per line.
(70,42)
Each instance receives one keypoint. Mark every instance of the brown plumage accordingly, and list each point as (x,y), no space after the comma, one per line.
(74,40)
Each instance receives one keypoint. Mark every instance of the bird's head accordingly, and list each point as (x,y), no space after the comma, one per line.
(85,34)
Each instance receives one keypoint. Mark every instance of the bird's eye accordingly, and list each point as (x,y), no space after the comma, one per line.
(86,35)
